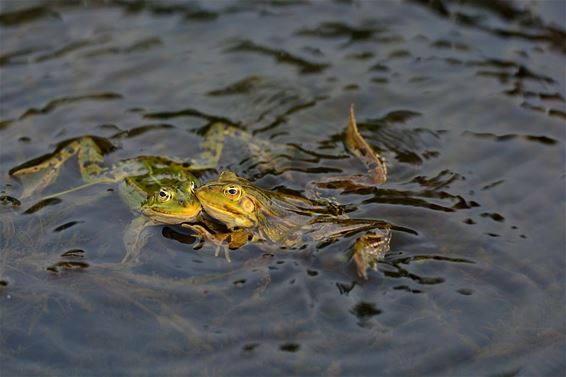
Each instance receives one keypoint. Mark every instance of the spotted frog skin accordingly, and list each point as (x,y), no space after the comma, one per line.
(161,190)
(251,213)
(255,214)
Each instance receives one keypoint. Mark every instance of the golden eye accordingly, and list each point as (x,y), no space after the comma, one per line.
(232,192)
(164,194)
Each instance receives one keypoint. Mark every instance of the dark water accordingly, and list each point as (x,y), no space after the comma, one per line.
(465,100)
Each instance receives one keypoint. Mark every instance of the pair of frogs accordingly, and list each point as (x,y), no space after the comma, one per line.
(229,211)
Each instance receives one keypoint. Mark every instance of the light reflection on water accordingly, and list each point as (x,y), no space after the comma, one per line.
(464,99)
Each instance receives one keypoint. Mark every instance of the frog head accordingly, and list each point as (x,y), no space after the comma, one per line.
(169,200)
(231,200)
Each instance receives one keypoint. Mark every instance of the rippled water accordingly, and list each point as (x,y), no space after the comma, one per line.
(465,100)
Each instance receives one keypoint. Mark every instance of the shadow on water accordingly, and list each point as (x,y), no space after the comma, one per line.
(464,100)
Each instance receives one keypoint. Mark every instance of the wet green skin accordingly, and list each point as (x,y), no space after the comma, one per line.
(261,215)
(252,213)
(141,178)
(161,189)
(165,194)
(237,203)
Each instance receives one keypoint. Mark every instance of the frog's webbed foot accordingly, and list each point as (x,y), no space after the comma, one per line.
(223,240)
(204,234)
(359,147)
(370,249)
(234,240)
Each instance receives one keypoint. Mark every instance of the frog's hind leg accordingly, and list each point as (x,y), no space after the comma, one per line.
(224,241)
(91,159)
(357,146)
(211,147)
(370,249)
(42,171)
(264,155)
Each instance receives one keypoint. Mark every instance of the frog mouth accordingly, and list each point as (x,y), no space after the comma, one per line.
(228,214)
(172,217)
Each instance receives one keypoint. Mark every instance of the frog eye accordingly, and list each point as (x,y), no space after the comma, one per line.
(164,194)
(232,192)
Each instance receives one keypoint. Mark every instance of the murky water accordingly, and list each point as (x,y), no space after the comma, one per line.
(464,99)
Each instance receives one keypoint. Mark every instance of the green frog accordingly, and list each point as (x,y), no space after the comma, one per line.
(160,189)
(251,213)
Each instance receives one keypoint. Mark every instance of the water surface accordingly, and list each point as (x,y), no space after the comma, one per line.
(465,100)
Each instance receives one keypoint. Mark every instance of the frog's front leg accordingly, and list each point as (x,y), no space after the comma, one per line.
(217,239)
(135,237)
(223,240)
(40,172)
(205,234)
